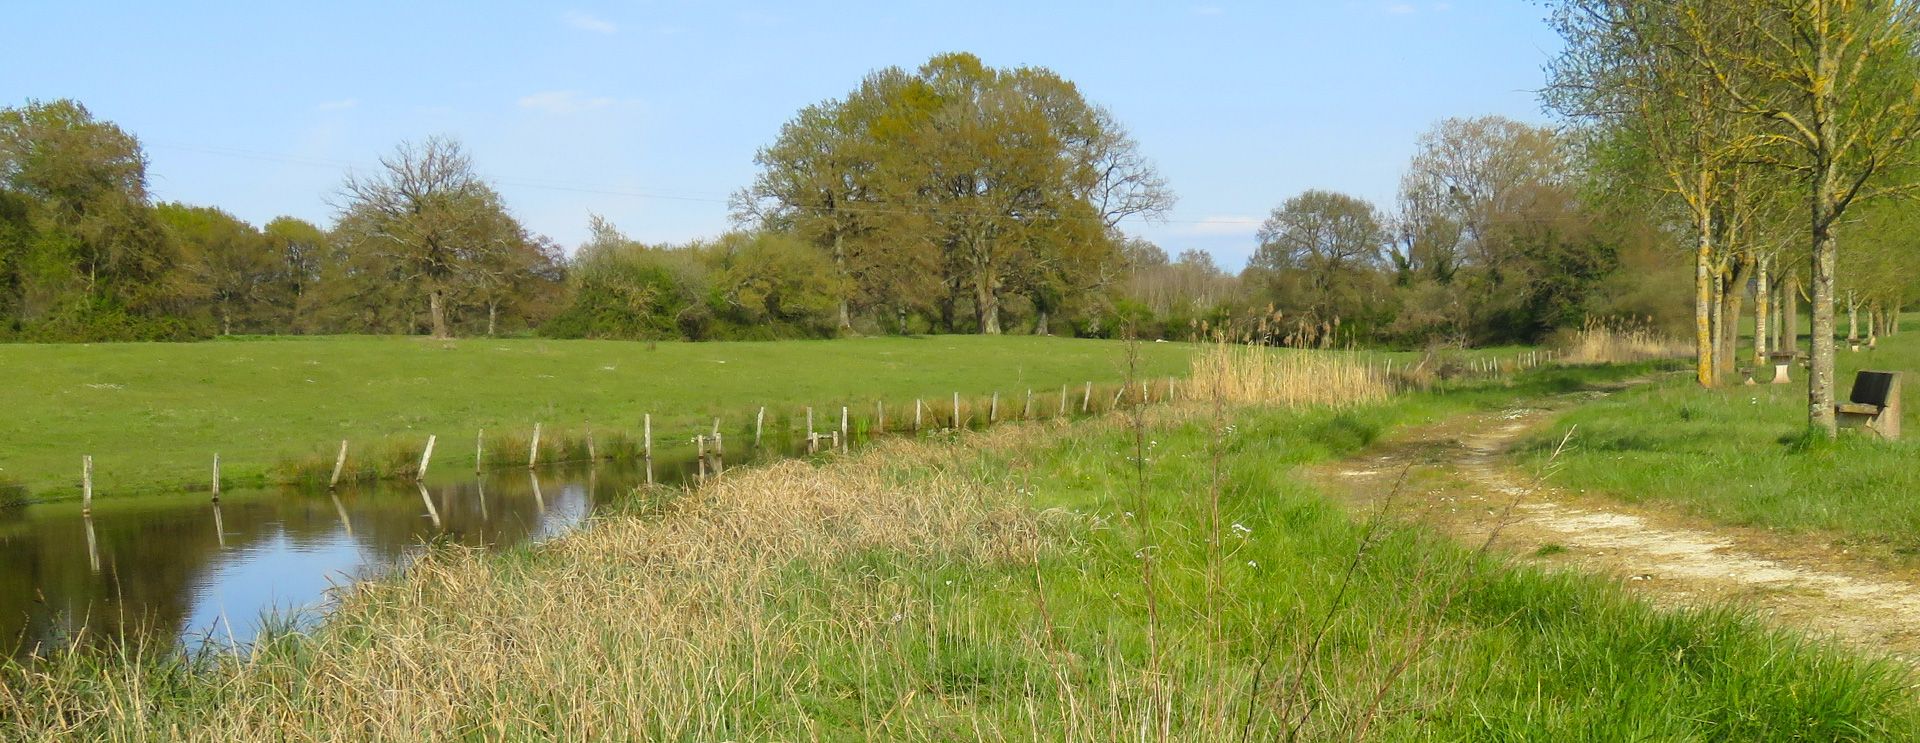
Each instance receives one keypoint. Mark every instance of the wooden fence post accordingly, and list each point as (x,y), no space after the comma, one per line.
(879,416)
(956,411)
(719,453)
(700,442)
(843,422)
(1086,400)
(1063,401)
(479,450)
(216,478)
(809,420)
(1026,411)
(916,414)
(993,408)
(593,451)
(646,427)
(426,457)
(533,451)
(338,463)
(759,422)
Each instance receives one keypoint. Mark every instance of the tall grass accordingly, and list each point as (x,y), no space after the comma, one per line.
(991,586)
(1610,340)
(1244,374)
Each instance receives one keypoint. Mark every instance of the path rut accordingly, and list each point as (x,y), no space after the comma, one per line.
(1459,478)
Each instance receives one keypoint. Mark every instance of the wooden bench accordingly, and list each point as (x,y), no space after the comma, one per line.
(1874,404)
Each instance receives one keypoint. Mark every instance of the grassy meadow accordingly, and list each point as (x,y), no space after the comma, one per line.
(1741,455)
(1162,577)
(152,415)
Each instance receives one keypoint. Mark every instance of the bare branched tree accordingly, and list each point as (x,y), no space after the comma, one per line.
(428,211)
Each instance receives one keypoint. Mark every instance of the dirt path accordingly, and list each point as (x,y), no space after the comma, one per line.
(1459,478)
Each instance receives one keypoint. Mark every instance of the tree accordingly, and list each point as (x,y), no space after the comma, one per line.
(300,253)
(427,212)
(1835,82)
(958,184)
(228,262)
(1495,240)
(1319,252)
(1626,66)
(84,243)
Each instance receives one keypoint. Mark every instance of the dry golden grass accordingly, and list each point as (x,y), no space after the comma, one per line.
(644,627)
(1257,375)
(1617,341)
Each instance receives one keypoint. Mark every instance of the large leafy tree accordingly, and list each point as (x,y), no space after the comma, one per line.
(430,217)
(80,237)
(958,184)
(1319,254)
(227,262)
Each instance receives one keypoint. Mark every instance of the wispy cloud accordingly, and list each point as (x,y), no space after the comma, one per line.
(563,102)
(1402,8)
(339,105)
(1224,224)
(588,22)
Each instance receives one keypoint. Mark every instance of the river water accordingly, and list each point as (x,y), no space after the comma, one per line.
(182,569)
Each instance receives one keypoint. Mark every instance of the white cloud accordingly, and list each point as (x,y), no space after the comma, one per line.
(588,22)
(1229,224)
(563,102)
(339,105)
(1402,8)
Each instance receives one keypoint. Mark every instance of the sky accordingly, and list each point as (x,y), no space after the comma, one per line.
(649,113)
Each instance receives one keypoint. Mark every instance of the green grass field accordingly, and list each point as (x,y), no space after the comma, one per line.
(1740,455)
(153,415)
(997,587)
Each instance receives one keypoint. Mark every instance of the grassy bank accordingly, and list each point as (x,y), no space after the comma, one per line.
(153,415)
(1093,581)
(1740,455)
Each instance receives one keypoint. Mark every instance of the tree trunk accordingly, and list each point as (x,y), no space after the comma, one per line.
(436,308)
(1853,321)
(1716,314)
(226,319)
(840,263)
(493,315)
(986,301)
(1733,296)
(1040,324)
(1873,325)
(1820,415)
(1762,311)
(1703,306)
(1790,316)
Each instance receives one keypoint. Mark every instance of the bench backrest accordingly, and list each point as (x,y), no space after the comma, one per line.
(1872,387)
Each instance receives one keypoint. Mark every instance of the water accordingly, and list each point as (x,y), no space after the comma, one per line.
(181,569)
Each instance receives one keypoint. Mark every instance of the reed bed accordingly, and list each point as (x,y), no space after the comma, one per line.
(1256,375)
(1621,341)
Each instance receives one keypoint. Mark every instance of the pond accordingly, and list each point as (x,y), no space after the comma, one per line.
(184,570)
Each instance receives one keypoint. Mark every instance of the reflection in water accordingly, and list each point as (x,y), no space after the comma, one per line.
(151,569)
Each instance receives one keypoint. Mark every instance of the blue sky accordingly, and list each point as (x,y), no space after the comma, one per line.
(649,112)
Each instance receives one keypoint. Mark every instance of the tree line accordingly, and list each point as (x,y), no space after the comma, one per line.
(951,198)
(1762,132)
